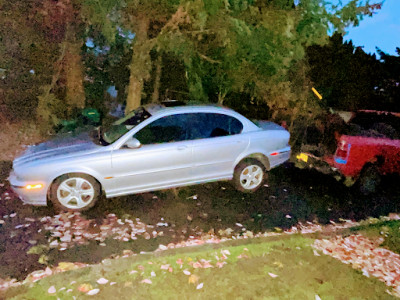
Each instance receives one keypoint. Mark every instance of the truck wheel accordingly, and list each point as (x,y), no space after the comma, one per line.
(74,192)
(369,179)
(249,176)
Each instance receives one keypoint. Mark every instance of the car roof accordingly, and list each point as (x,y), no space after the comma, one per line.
(155,109)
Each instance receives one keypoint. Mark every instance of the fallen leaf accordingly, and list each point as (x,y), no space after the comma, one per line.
(193,278)
(220,264)
(207,264)
(225,252)
(197,265)
(52,290)
(164,267)
(85,287)
(148,281)
(66,266)
(162,247)
(365,272)
(102,281)
(93,292)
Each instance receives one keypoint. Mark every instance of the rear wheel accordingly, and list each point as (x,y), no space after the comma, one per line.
(74,192)
(249,176)
(369,179)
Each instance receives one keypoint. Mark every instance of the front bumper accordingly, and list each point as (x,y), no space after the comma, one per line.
(33,196)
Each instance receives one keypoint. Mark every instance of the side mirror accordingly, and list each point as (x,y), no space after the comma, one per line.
(133,143)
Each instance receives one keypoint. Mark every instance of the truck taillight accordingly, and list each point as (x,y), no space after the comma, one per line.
(342,152)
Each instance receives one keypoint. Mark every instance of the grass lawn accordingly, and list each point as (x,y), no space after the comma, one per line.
(388,230)
(265,268)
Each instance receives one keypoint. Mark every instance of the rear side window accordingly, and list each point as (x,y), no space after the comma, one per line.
(210,125)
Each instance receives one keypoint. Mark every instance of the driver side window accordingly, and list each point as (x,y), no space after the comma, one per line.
(164,130)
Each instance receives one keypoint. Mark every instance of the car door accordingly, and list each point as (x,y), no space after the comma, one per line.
(163,160)
(217,143)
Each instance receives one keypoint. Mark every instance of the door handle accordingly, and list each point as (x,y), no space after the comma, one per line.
(182,147)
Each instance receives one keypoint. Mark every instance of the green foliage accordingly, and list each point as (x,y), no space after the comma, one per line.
(251,48)
(103,14)
(50,109)
(351,79)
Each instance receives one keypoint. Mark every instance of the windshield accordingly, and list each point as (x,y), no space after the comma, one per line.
(109,134)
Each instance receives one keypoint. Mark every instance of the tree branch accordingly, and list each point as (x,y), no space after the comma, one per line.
(208,58)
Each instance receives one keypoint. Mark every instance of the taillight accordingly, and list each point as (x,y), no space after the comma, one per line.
(342,152)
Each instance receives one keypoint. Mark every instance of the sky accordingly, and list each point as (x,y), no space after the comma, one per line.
(382,30)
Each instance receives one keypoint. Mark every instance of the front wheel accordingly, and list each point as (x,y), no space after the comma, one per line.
(249,176)
(74,192)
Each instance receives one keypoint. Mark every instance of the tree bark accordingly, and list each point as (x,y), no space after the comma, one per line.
(75,92)
(156,87)
(140,64)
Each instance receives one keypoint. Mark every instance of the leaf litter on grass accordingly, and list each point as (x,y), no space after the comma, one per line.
(212,281)
(113,225)
(365,255)
(69,229)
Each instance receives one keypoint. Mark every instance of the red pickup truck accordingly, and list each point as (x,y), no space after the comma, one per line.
(368,148)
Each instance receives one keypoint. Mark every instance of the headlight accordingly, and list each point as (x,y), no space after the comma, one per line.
(34,186)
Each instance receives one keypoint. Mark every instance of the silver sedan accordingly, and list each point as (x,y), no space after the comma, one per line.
(152,148)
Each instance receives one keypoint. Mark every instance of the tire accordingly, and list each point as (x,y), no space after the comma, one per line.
(74,192)
(369,179)
(249,175)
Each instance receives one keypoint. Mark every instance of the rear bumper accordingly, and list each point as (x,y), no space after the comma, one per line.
(321,164)
(325,165)
(33,197)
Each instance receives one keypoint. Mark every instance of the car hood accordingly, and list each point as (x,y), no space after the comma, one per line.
(65,146)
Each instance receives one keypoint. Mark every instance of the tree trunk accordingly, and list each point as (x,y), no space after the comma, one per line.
(156,88)
(221,97)
(43,112)
(73,70)
(140,65)
(75,93)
